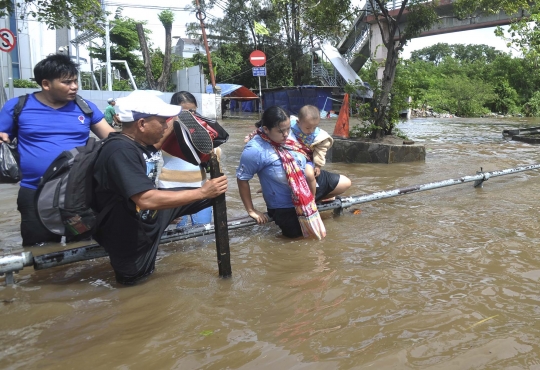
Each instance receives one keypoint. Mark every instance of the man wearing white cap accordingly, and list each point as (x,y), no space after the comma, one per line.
(131,229)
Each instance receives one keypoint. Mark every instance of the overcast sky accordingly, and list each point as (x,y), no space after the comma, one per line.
(144,10)
(150,14)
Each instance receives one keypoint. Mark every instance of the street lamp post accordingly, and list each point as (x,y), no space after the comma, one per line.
(108,54)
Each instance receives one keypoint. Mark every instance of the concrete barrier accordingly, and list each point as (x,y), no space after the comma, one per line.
(357,151)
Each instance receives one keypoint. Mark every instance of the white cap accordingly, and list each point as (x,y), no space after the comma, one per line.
(141,104)
(110,100)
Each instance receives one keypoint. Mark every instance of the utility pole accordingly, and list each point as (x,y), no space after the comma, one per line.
(78,60)
(108,54)
(201,16)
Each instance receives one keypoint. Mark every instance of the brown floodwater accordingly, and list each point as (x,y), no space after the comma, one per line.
(443,279)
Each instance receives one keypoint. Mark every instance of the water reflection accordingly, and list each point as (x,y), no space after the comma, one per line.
(444,279)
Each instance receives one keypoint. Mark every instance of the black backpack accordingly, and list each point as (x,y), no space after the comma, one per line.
(65,195)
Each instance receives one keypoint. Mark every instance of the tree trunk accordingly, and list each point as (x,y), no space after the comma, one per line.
(386,87)
(146,57)
(295,49)
(392,26)
(165,77)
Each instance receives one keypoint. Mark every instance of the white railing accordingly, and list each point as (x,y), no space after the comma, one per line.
(390,5)
(358,45)
(326,77)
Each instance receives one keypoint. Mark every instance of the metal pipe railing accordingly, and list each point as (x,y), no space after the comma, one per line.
(14,263)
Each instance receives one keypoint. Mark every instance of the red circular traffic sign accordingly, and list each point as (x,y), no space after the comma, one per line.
(7,40)
(257,58)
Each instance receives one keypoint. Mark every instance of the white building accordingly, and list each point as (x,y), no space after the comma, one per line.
(33,43)
(187,48)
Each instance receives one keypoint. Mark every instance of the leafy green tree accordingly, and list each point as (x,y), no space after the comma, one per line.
(513,79)
(506,98)
(19,83)
(521,74)
(420,16)
(166,18)
(435,53)
(524,35)
(532,107)
(366,111)
(124,46)
(473,8)
(293,28)
(177,63)
(462,96)
(80,14)
(474,53)
(464,53)
(424,77)
(307,22)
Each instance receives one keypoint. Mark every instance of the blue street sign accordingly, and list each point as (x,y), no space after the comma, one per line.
(259,71)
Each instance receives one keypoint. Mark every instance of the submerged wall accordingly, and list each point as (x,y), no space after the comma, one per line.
(356,151)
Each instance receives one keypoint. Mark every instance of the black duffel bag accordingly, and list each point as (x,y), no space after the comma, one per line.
(10,171)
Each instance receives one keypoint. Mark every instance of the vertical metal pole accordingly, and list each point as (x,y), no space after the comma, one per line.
(219,112)
(108,54)
(78,60)
(93,81)
(220,224)
(10,76)
(208,56)
(260,97)
(130,75)
(3,97)
(266,76)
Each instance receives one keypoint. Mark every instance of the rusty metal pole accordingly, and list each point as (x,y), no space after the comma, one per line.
(220,207)
(201,16)
(220,224)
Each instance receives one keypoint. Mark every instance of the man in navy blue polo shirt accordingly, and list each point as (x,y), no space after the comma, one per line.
(49,123)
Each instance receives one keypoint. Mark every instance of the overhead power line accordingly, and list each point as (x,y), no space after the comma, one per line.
(131,5)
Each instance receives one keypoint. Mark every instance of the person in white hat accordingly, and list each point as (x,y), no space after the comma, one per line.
(136,213)
(110,115)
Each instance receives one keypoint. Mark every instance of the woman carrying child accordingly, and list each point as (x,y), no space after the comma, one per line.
(306,129)
(278,159)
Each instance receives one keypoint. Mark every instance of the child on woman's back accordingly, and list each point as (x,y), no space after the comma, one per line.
(306,130)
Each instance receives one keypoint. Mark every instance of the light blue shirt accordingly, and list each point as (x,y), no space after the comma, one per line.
(259,158)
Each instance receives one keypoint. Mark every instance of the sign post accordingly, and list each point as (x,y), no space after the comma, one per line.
(7,44)
(258,59)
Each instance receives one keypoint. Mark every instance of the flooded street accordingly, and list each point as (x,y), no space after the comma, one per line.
(443,279)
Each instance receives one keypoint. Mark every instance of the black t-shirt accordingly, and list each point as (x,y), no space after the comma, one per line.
(125,168)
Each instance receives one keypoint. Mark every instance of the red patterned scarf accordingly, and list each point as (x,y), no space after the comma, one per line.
(303,200)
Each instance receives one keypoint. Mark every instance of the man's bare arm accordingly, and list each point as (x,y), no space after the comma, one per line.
(163,199)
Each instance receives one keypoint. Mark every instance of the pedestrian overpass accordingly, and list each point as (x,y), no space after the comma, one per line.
(364,40)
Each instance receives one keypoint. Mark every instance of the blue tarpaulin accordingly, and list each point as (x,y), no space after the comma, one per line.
(292,99)
(234,92)
(243,106)
(226,89)
(239,97)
